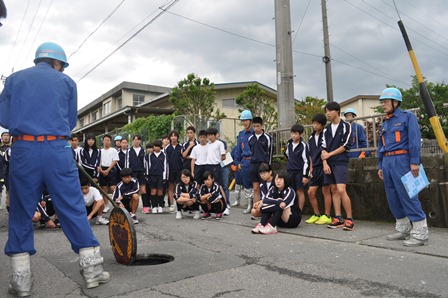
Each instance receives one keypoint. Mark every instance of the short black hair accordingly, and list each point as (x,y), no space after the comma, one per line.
(320,118)
(107,136)
(157,143)
(191,127)
(187,173)
(71,137)
(207,175)
(264,167)
(283,174)
(164,137)
(212,131)
(84,181)
(149,146)
(126,172)
(257,120)
(333,106)
(202,132)
(173,132)
(297,128)
(138,137)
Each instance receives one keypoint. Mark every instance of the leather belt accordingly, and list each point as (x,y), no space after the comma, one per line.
(397,152)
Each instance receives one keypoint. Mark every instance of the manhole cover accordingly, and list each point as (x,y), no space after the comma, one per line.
(151,259)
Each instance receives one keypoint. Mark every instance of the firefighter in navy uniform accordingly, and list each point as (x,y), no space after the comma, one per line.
(398,153)
(39,107)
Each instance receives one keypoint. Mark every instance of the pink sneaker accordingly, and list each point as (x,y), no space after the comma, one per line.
(257,228)
(146,210)
(268,229)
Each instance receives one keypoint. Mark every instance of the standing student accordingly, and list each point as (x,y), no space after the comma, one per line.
(146,197)
(90,157)
(6,159)
(187,195)
(212,199)
(215,154)
(117,141)
(199,158)
(74,142)
(126,193)
(188,146)
(224,182)
(174,157)
(156,166)
(137,163)
(260,144)
(279,206)
(399,150)
(39,107)
(298,165)
(358,137)
(317,174)
(109,158)
(335,143)
(243,158)
(5,144)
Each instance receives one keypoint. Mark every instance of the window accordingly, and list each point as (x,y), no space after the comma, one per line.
(107,107)
(96,115)
(119,103)
(81,122)
(229,103)
(137,99)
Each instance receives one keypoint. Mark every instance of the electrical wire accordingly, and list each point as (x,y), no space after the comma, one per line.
(300,24)
(134,35)
(96,29)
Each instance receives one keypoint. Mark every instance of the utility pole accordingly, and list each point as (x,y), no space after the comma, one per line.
(283,47)
(327,58)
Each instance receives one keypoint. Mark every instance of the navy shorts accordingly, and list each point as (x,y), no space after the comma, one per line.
(89,209)
(296,180)
(318,177)
(156,182)
(339,174)
(109,180)
(174,176)
(140,176)
(253,170)
(199,171)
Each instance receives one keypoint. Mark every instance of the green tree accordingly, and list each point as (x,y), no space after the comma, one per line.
(412,99)
(150,128)
(254,98)
(194,98)
(307,108)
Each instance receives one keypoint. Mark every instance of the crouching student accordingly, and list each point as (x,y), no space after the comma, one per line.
(45,211)
(279,207)
(266,175)
(94,202)
(212,199)
(126,193)
(187,195)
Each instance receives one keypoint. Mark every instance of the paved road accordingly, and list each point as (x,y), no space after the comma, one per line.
(223,259)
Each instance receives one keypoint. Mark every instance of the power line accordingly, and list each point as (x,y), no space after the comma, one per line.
(18,32)
(96,29)
(26,37)
(38,31)
(134,35)
(300,24)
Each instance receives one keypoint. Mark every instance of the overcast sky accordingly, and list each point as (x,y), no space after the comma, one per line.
(367,48)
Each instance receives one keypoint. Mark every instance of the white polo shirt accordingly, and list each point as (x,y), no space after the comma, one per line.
(215,150)
(199,153)
(108,156)
(92,196)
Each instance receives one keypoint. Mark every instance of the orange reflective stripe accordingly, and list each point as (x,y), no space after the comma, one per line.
(397,136)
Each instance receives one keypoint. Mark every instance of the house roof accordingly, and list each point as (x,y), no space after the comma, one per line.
(358,97)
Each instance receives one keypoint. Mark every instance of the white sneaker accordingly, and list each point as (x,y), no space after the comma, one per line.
(160,210)
(178,215)
(227,211)
(154,210)
(268,229)
(171,208)
(197,215)
(106,209)
(102,221)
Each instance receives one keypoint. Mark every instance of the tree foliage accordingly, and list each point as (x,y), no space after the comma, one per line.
(194,98)
(150,128)
(307,108)
(254,98)
(412,99)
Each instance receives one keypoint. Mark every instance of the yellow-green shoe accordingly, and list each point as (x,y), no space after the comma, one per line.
(323,220)
(312,219)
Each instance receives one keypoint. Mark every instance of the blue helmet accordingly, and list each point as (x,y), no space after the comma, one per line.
(118,138)
(246,115)
(350,110)
(391,93)
(51,50)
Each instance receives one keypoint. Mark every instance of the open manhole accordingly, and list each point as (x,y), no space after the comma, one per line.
(151,259)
